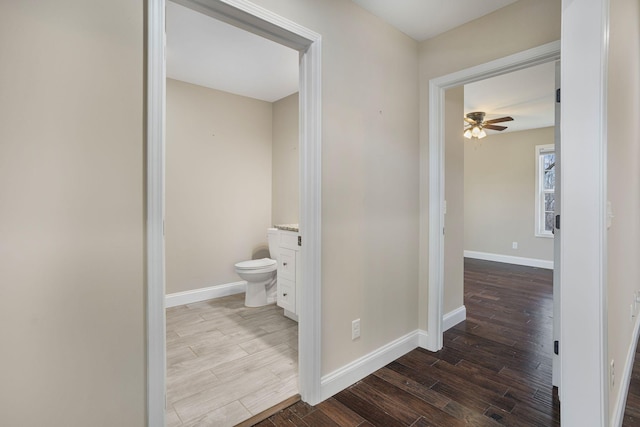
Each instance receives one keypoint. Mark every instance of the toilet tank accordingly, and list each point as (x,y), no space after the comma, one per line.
(274,242)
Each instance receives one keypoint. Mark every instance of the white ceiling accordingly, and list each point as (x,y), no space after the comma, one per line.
(526,95)
(204,51)
(207,52)
(423,19)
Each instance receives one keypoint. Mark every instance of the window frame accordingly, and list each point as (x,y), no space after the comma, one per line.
(539,230)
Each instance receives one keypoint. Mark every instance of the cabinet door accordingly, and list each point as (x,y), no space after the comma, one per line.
(287,264)
(287,294)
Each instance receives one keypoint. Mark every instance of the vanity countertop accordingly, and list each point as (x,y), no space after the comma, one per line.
(287,227)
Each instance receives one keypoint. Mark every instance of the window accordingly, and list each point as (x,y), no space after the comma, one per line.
(545,189)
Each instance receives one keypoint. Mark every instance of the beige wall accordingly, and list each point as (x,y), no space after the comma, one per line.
(72,220)
(514,28)
(286,193)
(72,171)
(218,184)
(623,181)
(369,176)
(454,180)
(499,194)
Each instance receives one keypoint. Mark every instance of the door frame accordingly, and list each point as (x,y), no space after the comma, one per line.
(584,365)
(535,56)
(260,21)
(584,371)
(557,236)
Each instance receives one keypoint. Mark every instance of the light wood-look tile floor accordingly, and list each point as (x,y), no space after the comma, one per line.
(227,362)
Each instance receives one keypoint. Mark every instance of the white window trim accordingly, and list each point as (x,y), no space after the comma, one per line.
(539,213)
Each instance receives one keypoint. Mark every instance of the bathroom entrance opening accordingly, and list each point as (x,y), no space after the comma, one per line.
(271,26)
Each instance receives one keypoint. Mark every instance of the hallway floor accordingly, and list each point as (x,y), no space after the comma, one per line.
(227,362)
(494,368)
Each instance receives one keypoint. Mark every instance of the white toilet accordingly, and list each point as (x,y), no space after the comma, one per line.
(260,274)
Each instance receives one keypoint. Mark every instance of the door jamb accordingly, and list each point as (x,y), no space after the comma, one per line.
(261,21)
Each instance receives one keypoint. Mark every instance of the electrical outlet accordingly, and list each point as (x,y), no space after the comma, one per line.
(514,245)
(355,329)
(612,374)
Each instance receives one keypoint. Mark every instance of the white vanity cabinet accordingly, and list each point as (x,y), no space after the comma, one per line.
(289,273)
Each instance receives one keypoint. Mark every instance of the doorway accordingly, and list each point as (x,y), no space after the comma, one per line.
(534,250)
(231,174)
(546,53)
(502,192)
(308,43)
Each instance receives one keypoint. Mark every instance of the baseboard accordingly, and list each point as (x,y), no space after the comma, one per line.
(508,259)
(203,294)
(449,320)
(454,317)
(618,409)
(423,339)
(342,378)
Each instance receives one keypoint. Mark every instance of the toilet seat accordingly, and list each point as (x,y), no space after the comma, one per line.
(263,265)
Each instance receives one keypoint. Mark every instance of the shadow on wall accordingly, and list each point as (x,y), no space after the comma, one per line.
(259,252)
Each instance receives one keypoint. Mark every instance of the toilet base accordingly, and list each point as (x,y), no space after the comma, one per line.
(257,294)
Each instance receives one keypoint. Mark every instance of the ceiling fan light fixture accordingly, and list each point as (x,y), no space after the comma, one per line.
(476,124)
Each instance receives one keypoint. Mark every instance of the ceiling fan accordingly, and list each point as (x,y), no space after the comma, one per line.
(476,124)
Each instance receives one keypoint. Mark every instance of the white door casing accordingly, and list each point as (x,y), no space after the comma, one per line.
(584,373)
(539,55)
(583,295)
(557,239)
(250,17)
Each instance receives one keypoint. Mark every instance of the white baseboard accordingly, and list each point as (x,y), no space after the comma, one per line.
(449,320)
(423,339)
(342,378)
(291,315)
(508,259)
(203,294)
(618,410)
(454,317)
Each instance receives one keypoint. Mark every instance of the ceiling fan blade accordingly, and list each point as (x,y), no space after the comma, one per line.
(470,121)
(501,119)
(494,127)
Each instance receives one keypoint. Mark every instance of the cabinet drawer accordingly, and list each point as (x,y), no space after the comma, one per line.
(287,294)
(287,264)
(289,240)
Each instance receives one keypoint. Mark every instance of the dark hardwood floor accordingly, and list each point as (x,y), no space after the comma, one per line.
(494,368)
(632,407)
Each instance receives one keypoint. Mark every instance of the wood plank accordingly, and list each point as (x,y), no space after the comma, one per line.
(339,413)
(407,403)
(416,388)
(264,415)
(367,410)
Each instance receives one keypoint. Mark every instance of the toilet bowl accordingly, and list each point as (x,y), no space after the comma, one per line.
(260,275)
